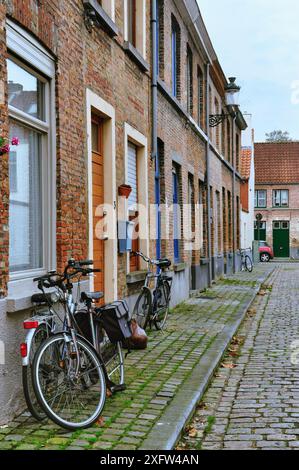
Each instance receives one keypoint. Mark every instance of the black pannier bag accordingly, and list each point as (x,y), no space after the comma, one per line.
(83,324)
(114,318)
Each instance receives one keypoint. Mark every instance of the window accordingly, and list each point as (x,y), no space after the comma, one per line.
(218,223)
(133,202)
(281,198)
(200,98)
(27,93)
(160,38)
(13,174)
(132,22)
(136,177)
(260,198)
(217,111)
(176,212)
(135,24)
(108,7)
(175,57)
(189,81)
(229,146)
(224,220)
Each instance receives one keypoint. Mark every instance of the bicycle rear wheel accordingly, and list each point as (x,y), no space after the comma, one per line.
(248,263)
(143,308)
(70,399)
(162,305)
(41,333)
(113,360)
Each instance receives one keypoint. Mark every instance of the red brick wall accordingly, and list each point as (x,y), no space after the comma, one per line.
(83,60)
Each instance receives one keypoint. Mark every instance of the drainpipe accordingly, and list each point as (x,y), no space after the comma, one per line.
(154,154)
(208,173)
(234,192)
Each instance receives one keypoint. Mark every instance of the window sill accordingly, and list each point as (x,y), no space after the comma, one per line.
(179,267)
(93,8)
(136,276)
(136,56)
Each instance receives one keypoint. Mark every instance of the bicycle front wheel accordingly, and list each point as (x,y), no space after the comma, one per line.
(162,305)
(70,387)
(248,263)
(41,334)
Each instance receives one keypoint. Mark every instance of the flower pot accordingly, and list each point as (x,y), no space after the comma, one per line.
(124,190)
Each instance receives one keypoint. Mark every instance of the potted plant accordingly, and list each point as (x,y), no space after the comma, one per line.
(124,190)
(5,144)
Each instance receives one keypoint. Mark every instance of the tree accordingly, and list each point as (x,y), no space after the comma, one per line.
(278,136)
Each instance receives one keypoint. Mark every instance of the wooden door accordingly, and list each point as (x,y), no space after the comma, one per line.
(97,200)
(281,239)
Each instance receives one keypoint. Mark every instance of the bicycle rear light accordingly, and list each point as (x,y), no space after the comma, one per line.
(30,324)
(23,349)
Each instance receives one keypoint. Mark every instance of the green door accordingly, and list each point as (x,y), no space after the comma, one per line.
(262,231)
(281,239)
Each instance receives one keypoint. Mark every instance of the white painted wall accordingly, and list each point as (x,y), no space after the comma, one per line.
(247,218)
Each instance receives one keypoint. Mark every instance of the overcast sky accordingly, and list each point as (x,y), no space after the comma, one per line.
(258,42)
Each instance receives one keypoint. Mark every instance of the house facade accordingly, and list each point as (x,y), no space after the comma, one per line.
(102,94)
(247,186)
(276,196)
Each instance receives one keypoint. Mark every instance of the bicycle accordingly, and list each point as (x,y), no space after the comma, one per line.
(69,374)
(154,307)
(246,261)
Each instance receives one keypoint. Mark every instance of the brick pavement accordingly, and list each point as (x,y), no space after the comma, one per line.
(153,376)
(255,405)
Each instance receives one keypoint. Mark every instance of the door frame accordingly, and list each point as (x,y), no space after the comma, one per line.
(95,104)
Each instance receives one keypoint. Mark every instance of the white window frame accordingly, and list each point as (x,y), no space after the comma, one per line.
(27,52)
(140,26)
(109,7)
(138,139)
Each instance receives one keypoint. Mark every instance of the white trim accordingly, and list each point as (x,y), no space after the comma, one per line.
(95,102)
(131,134)
(109,7)
(29,49)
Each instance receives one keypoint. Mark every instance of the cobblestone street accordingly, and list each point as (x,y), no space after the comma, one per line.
(168,370)
(253,400)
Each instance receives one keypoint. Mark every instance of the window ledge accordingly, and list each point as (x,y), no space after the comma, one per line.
(94,9)
(178,267)
(136,56)
(17,304)
(136,276)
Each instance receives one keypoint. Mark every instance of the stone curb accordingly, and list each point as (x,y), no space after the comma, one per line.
(167,431)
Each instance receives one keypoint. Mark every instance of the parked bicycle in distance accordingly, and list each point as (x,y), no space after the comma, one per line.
(153,307)
(246,260)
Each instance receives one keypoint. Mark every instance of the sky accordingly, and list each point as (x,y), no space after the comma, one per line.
(257,41)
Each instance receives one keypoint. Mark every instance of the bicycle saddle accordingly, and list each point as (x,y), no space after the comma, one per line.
(163,263)
(91,296)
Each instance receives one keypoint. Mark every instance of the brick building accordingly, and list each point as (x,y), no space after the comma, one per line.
(100,97)
(277,196)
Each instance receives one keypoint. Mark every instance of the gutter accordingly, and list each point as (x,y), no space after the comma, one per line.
(154,152)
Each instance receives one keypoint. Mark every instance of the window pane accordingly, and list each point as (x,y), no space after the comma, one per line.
(25,91)
(25,207)
(285,198)
(262,198)
(276,198)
